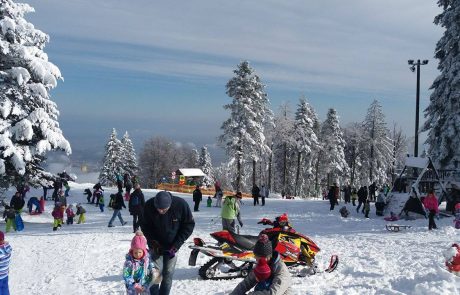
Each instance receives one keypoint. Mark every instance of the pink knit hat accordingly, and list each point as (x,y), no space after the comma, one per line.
(139,242)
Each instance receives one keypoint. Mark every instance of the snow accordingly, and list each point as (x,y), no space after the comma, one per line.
(88,258)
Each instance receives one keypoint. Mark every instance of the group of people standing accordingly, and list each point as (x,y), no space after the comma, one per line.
(259,193)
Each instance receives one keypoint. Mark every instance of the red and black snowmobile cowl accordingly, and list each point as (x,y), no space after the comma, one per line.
(295,249)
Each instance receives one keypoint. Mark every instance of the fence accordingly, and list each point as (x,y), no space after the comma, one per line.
(190,188)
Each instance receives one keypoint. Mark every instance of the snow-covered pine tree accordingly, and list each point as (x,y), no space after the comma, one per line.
(28,118)
(377,145)
(443,113)
(195,158)
(284,151)
(205,165)
(353,136)
(306,140)
(399,150)
(243,132)
(128,156)
(112,161)
(333,162)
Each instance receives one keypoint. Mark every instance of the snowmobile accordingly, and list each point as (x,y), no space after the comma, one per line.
(232,255)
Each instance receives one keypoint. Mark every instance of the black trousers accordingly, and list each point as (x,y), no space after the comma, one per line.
(137,218)
(431,223)
(256,200)
(263,201)
(197,204)
(332,205)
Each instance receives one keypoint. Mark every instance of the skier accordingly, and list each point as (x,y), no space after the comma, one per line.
(197,198)
(138,269)
(136,206)
(117,206)
(255,194)
(431,204)
(5,256)
(274,280)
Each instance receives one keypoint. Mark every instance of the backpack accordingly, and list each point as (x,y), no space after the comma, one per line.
(134,200)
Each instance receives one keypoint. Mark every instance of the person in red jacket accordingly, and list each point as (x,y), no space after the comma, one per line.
(58,215)
(452,256)
(431,204)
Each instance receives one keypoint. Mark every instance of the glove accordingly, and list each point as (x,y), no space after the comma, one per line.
(170,253)
(138,288)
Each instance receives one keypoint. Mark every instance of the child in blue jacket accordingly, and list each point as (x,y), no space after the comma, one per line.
(5,255)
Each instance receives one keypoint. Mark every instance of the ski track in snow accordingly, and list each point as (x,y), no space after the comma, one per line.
(88,258)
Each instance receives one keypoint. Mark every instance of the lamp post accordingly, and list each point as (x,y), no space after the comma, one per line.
(416,65)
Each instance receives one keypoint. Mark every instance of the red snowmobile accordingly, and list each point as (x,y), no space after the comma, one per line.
(232,255)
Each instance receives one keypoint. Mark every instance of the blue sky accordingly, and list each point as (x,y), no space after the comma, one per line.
(160,67)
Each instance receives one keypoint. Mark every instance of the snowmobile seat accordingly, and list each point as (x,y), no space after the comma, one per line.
(245,241)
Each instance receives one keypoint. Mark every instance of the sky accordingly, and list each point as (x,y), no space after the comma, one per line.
(160,67)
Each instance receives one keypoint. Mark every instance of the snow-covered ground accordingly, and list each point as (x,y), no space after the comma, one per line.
(88,258)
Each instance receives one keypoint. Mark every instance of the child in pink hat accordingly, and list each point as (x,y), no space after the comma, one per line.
(139,271)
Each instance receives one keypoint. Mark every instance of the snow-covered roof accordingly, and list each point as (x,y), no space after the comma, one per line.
(416,162)
(189,172)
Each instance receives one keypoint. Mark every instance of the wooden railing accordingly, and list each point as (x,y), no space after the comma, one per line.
(190,188)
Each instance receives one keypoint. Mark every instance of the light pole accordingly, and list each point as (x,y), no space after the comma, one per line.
(416,65)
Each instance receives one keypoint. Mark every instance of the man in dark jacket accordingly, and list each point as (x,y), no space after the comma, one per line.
(17,202)
(255,194)
(167,224)
(362,198)
(197,198)
(136,206)
(118,204)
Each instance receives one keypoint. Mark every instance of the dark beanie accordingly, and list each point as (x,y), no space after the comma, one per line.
(162,200)
(263,247)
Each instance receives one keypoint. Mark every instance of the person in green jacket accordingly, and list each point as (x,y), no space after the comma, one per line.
(230,211)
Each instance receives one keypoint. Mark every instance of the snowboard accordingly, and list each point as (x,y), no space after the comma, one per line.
(19,222)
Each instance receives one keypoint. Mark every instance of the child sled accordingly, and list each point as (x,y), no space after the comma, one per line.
(396,227)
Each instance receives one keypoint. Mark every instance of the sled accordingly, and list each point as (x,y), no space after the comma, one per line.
(396,227)
(333,263)
(19,222)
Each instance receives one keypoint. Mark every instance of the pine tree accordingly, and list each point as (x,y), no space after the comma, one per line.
(195,160)
(28,118)
(443,113)
(243,133)
(377,144)
(128,154)
(306,140)
(205,165)
(112,162)
(333,162)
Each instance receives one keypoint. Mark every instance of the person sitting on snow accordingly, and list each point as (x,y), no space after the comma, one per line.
(452,256)
(270,276)
(344,212)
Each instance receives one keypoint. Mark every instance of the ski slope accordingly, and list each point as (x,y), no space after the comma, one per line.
(87,259)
